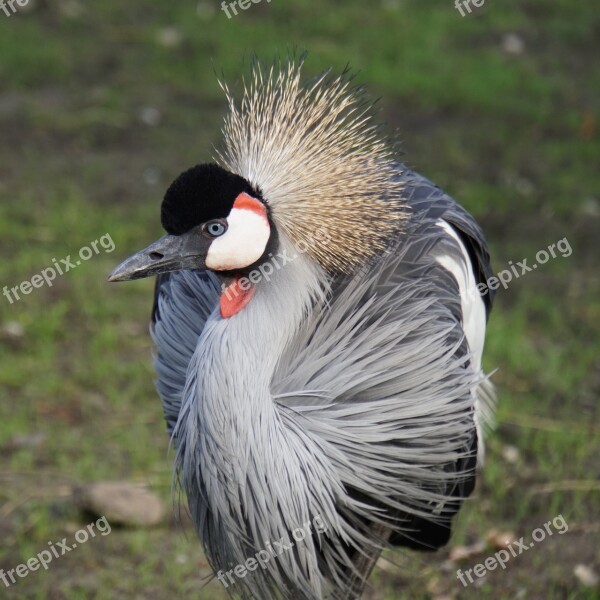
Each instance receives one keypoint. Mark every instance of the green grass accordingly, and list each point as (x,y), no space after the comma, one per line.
(513,137)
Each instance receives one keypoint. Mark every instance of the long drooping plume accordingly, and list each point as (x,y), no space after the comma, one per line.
(318,158)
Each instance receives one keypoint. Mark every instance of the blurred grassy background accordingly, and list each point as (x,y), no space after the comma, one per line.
(103,104)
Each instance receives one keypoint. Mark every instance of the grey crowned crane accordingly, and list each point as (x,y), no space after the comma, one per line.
(319,335)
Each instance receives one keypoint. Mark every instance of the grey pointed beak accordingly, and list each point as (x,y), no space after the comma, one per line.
(169,253)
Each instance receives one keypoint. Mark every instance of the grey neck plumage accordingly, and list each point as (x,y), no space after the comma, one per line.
(242,446)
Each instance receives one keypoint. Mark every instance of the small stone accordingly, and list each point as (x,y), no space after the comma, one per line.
(151,176)
(150,115)
(499,540)
(13,330)
(385,565)
(512,44)
(586,575)
(121,503)
(591,207)
(23,441)
(169,37)
(524,186)
(510,454)
(460,553)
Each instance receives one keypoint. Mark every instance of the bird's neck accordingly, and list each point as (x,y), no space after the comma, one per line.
(241,352)
(231,435)
(229,391)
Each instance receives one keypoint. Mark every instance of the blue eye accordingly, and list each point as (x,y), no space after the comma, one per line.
(215,228)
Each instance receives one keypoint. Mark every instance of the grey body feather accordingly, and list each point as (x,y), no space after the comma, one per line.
(354,404)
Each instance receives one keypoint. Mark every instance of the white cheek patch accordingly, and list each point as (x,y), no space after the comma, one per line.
(242,244)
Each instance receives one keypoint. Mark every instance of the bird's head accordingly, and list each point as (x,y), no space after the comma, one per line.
(214,220)
(296,159)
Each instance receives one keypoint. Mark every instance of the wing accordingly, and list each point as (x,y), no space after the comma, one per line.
(464,253)
(430,204)
(183,301)
(385,376)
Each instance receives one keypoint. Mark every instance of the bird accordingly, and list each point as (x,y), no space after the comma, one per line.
(319,333)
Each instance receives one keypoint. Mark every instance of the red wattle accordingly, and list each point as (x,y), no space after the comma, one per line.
(234,298)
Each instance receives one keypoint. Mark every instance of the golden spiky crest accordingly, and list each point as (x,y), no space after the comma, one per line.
(319,161)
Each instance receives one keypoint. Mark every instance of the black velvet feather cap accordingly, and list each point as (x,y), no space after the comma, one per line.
(203,192)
